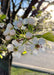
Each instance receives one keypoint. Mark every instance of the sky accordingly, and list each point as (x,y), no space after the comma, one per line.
(20,13)
(24,4)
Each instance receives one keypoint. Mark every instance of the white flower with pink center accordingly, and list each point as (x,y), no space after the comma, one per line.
(41,41)
(35,40)
(42,48)
(25,21)
(1,25)
(12,32)
(23,27)
(15,43)
(21,48)
(28,35)
(7,38)
(32,21)
(9,26)
(19,24)
(6,32)
(17,54)
(10,47)
(38,45)
(35,52)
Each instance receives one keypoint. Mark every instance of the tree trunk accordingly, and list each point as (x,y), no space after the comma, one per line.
(4,6)
(5,65)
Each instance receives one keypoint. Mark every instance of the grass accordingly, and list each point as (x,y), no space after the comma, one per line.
(22,71)
(48,36)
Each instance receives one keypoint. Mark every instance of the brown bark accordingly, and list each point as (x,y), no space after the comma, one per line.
(4,6)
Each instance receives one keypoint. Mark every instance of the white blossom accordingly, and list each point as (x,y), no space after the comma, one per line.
(3,53)
(12,32)
(32,47)
(23,27)
(37,44)
(42,49)
(7,38)
(15,43)
(49,29)
(9,26)
(42,41)
(1,25)
(27,47)
(28,35)
(21,48)
(19,24)
(17,54)
(15,22)
(25,21)
(6,32)
(10,47)
(32,21)
(35,40)
(35,52)
(20,19)
(16,27)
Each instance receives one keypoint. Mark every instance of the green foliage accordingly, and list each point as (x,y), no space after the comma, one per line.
(39,11)
(48,36)
(38,15)
(2,17)
(30,28)
(33,8)
(3,47)
(24,41)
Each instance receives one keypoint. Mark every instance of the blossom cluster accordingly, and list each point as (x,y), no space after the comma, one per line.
(24,40)
(9,32)
(36,45)
(21,22)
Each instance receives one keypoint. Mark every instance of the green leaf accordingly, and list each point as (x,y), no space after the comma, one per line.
(24,41)
(39,11)
(30,28)
(33,8)
(3,17)
(48,36)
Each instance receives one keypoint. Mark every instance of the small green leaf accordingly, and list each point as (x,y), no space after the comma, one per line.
(24,41)
(3,17)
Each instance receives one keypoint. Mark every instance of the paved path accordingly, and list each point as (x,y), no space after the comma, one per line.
(44,60)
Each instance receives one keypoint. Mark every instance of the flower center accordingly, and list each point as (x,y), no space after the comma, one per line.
(37,46)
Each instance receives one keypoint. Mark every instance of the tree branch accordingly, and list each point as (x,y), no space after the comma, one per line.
(33,2)
(19,6)
(15,12)
(38,8)
(13,6)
